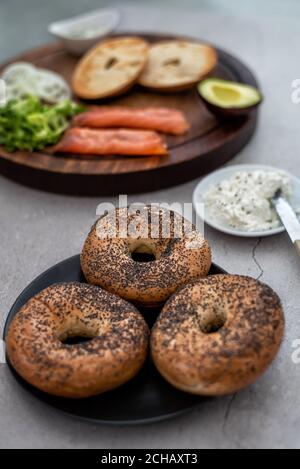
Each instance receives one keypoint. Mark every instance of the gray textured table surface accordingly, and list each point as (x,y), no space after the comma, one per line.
(37,230)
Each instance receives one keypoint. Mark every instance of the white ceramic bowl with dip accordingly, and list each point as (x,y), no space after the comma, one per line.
(82,32)
(225,174)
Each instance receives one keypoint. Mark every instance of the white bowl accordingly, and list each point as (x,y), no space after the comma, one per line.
(226,173)
(103,21)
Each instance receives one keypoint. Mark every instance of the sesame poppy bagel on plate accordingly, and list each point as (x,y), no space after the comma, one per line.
(144,254)
(115,348)
(218,335)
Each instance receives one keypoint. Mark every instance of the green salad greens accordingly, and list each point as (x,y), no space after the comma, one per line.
(28,124)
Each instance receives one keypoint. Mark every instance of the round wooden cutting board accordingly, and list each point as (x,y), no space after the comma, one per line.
(209,143)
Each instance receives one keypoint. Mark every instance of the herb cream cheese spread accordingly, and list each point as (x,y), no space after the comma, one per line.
(243,201)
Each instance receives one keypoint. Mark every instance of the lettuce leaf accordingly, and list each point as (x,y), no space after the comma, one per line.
(28,124)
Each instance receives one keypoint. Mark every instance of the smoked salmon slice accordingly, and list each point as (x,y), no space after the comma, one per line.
(111,142)
(169,121)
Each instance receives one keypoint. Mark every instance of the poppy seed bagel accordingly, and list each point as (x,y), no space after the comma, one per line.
(37,348)
(218,335)
(176,252)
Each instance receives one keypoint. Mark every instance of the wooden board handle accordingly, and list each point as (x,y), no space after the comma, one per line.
(297,246)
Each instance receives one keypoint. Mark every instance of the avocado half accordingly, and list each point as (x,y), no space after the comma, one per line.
(229,99)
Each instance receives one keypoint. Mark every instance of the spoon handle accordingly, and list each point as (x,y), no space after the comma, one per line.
(297,246)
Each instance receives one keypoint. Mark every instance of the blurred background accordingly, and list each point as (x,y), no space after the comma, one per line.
(23,22)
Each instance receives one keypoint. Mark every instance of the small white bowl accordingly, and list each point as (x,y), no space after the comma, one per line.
(102,21)
(226,173)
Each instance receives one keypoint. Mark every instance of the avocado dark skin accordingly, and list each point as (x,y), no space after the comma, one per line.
(229,113)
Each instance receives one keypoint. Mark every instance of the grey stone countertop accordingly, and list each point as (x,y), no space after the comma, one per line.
(38,229)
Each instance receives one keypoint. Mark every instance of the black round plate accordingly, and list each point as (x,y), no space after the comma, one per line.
(147,398)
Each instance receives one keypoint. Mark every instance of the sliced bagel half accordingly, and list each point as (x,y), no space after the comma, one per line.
(177,65)
(110,68)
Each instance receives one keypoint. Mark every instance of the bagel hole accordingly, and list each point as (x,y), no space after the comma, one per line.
(143,253)
(75,337)
(111,63)
(211,321)
(174,62)
(76,340)
(143,256)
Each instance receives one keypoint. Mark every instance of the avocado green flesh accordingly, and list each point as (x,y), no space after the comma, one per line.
(228,95)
